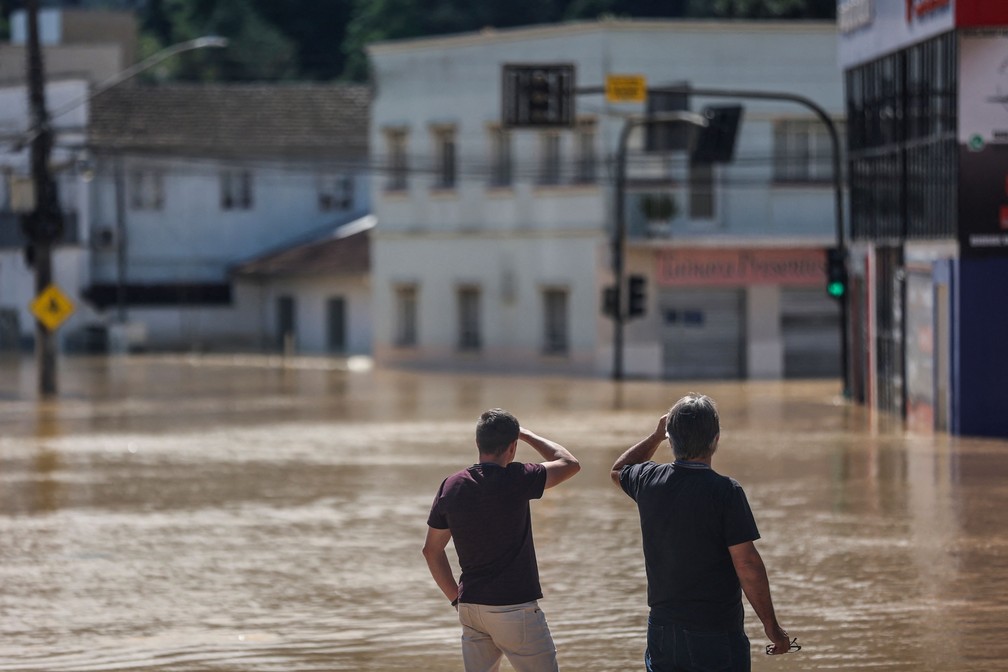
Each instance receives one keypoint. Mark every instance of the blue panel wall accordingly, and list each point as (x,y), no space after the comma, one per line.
(982,348)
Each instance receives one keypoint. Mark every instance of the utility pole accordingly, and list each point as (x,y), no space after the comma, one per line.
(43,226)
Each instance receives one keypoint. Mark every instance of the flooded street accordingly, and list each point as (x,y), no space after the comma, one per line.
(177,513)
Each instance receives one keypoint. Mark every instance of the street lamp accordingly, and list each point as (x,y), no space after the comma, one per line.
(206,42)
(43,225)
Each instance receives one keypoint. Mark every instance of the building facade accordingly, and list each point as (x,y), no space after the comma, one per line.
(192,181)
(493,247)
(928,260)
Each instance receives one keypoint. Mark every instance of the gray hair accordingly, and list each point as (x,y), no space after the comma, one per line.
(692,426)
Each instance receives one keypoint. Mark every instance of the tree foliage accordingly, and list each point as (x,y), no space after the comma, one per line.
(325,39)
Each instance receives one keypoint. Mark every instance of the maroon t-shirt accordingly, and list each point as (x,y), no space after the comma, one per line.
(486,507)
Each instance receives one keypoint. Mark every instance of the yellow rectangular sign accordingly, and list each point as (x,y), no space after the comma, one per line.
(625,88)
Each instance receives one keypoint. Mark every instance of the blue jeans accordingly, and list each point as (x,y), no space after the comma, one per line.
(674,648)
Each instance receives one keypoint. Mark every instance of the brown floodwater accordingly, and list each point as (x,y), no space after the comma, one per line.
(235,514)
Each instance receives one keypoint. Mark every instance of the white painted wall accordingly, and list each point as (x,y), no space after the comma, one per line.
(436,239)
(257,302)
(192,238)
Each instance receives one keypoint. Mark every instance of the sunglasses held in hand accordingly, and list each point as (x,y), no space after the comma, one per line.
(795,646)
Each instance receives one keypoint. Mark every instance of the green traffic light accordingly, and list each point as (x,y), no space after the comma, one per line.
(835,289)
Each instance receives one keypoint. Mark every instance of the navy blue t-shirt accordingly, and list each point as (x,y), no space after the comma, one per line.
(689,516)
(486,507)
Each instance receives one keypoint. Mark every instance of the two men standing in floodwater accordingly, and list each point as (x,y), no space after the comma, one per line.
(697,529)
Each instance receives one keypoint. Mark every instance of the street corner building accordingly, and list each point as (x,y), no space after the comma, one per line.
(926,88)
(494,248)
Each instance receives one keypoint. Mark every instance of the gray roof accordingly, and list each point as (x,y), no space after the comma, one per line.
(267,120)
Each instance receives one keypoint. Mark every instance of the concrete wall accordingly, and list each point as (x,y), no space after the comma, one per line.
(434,237)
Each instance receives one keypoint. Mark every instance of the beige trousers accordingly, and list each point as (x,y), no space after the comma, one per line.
(518,631)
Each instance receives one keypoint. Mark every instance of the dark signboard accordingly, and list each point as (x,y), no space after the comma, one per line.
(983,143)
(537,95)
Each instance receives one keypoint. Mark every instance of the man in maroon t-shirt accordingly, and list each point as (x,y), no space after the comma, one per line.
(485,510)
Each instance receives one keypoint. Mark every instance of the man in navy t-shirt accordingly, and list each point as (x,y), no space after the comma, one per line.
(698,533)
(485,510)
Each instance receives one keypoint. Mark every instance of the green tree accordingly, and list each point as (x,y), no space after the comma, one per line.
(377,20)
(323,39)
(317,30)
(256,49)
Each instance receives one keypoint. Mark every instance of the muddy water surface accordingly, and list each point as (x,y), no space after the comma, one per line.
(176,513)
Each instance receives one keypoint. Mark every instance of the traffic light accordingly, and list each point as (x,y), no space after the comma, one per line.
(716,141)
(836,273)
(609,300)
(637,297)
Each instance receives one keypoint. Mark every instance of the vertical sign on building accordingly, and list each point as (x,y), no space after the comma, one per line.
(983,142)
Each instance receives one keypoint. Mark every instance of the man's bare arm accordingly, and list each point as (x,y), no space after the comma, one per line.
(753,576)
(437,561)
(642,451)
(560,464)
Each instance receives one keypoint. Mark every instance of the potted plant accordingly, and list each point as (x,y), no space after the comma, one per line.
(658,210)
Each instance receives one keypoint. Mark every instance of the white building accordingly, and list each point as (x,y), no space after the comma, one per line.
(194,180)
(80,48)
(493,246)
(70,261)
(167,191)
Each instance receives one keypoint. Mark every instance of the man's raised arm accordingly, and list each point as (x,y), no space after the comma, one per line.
(560,464)
(642,451)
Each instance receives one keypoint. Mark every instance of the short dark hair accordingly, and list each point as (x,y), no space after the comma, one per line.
(692,426)
(496,430)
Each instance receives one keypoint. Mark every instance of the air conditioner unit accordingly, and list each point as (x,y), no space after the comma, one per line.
(104,238)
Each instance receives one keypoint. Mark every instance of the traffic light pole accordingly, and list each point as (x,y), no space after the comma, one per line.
(838,212)
(619,232)
(841,242)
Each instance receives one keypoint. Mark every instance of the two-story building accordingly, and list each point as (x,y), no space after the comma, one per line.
(191,181)
(180,202)
(494,245)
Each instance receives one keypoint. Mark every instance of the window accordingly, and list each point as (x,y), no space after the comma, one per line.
(803,150)
(701,198)
(236,190)
(444,156)
(398,167)
(469,318)
(406,316)
(335,192)
(146,190)
(555,322)
(500,157)
(584,139)
(549,158)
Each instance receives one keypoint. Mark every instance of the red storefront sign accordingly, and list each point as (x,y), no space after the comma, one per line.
(702,267)
(976,13)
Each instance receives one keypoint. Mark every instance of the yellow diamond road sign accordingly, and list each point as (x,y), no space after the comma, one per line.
(51,307)
(625,88)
